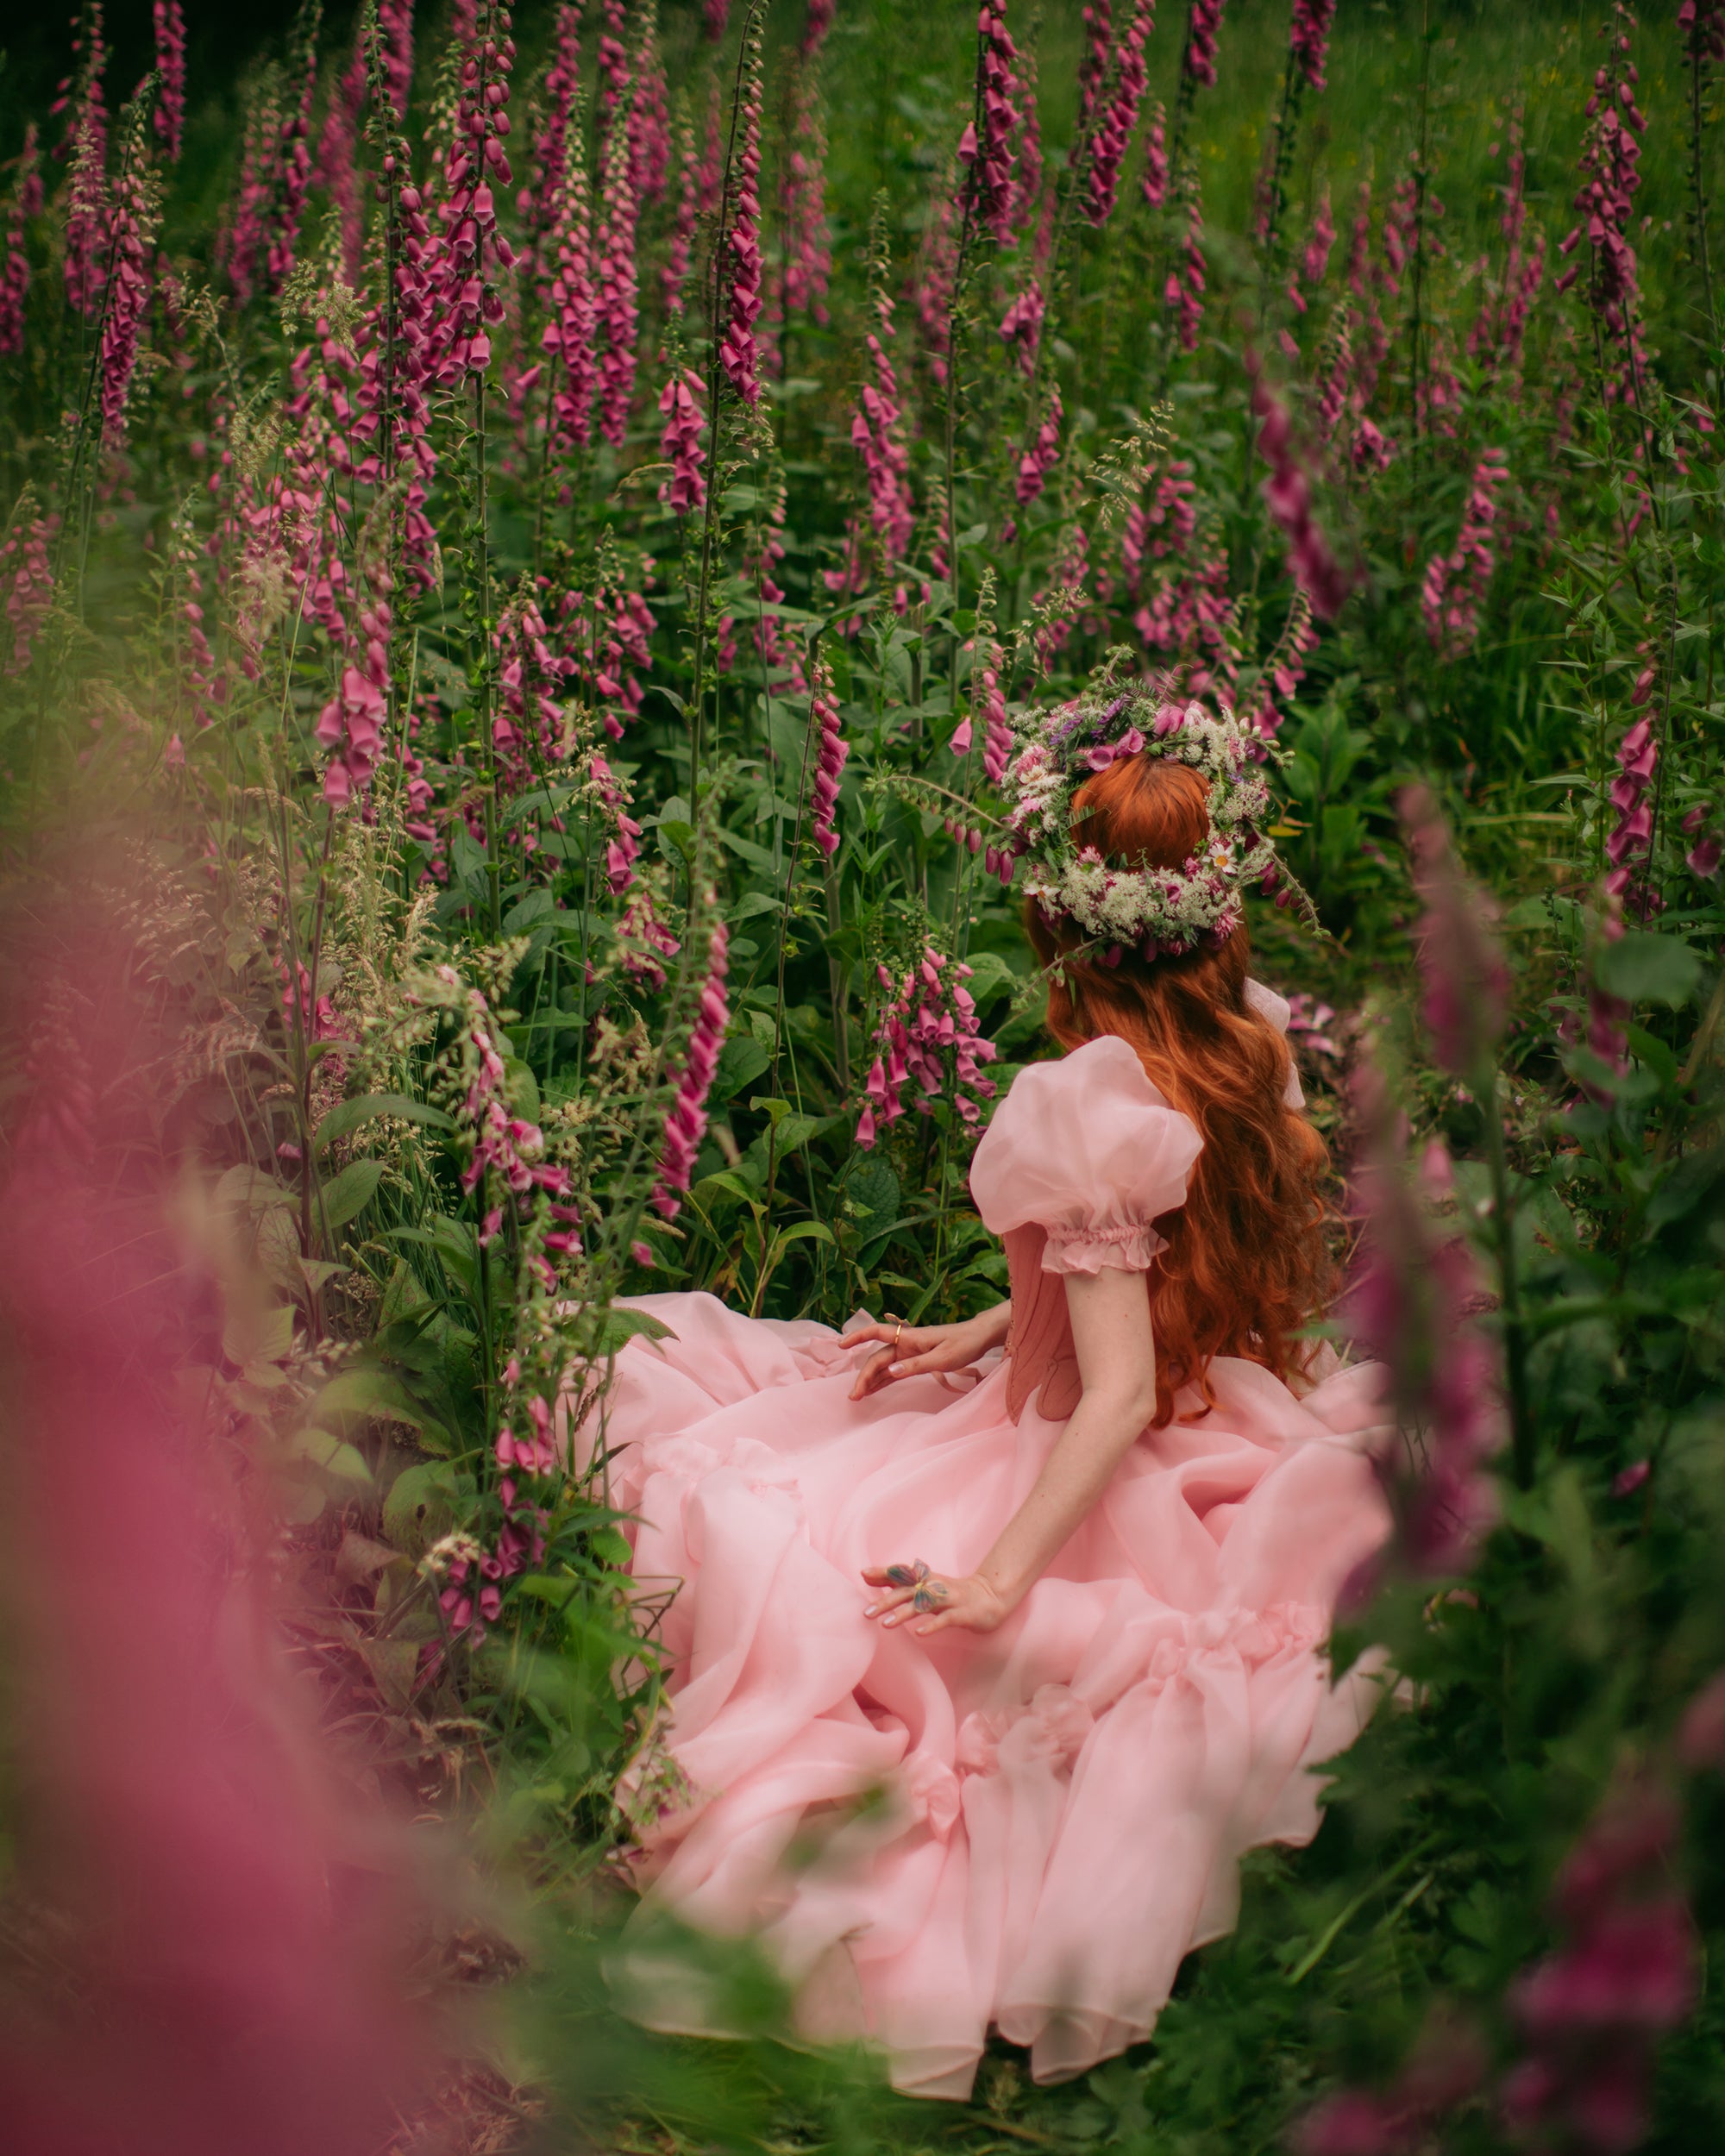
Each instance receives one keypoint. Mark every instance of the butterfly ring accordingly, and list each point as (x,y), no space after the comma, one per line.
(930,1592)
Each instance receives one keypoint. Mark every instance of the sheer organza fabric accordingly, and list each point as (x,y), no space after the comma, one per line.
(1057,1810)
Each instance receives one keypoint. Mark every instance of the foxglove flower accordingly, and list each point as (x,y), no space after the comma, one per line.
(679,445)
(1118,117)
(1043,453)
(615,309)
(292,168)
(1409,1308)
(739,350)
(877,430)
(1021,325)
(1203,21)
(169,116)
(808,251)
(1702,24)
(84,148)
(680,241)
(15,269)
(1308,38)
(623,850)
(816,22)
(1610,159)
(552,146)
(571,309)
(351,723)
(1097,18)
(1184,290)
(1623,1974)
(1638,760)
(1154,185)
(1456,584)
(989,151)
(1315,261)
(1467,985)
(132,218)
(646,941)
(830,758)
(29,587)
(686,1125)
(929,1015)
(1289,495)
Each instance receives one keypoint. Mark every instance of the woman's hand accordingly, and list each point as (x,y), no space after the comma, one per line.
(919,1351)
(969,1601)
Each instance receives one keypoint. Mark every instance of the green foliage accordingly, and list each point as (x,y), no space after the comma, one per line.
(429,1045)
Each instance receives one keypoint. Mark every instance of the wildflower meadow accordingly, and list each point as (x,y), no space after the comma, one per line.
(525,538)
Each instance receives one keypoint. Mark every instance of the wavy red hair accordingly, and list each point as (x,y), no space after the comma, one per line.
(1247,1262)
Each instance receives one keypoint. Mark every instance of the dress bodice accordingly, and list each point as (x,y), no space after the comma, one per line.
(1083,1157)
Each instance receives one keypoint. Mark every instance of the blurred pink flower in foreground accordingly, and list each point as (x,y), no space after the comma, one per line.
(226,1906)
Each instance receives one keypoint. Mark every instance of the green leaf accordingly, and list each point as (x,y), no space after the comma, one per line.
(740,1061)
(362,1392)
(258,1336)
(618,1327)
(1643,968)
(351,1192)
(250,1187)
(807,1231)
(349,1115)
(420,1508)
(334,1455)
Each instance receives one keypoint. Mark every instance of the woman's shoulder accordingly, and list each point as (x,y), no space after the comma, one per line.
(1082,1133)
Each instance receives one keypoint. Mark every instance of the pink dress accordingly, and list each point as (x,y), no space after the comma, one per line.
(1059,1806)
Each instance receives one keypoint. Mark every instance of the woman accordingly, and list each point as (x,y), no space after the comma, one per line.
(1050,1586)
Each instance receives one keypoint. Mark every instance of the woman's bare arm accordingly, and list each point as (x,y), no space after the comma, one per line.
(1116,1353)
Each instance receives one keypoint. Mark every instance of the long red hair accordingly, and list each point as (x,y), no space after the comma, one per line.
(1247,1262)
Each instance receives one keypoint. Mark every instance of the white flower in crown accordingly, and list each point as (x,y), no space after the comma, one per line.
(1153,909)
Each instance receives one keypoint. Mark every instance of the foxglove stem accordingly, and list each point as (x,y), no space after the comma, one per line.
(1118,117)
(739,350)
(686,1125)
(1288,492)
(170,114)
(133,214)
(830,758)
(1467,990)
(84,148)
(1456,584)
(15,269)
(1198,61)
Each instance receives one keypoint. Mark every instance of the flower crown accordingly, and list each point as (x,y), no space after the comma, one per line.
(1152,911)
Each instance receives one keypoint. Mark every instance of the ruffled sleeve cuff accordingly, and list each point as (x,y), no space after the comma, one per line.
(1130,1248)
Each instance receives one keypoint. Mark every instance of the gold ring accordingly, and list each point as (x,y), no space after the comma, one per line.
(897,1334)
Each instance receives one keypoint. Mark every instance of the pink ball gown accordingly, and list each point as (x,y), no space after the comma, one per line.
(1059,1805)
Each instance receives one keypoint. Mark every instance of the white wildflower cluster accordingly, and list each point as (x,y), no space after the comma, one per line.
(1150,910)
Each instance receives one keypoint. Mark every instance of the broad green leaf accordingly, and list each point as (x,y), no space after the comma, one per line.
(366,1391)
(401,1108)
(420,1508)
(1642,968)
(258,1336)
(807,1231)
(351,1192)
(250,1187)
(740,1061)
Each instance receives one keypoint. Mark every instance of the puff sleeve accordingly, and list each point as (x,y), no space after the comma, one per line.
(1087,1150)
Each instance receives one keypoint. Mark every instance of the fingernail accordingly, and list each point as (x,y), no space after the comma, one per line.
(873,1610)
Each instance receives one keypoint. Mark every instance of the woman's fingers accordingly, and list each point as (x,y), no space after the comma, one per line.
(885,1605)
(872,1374)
